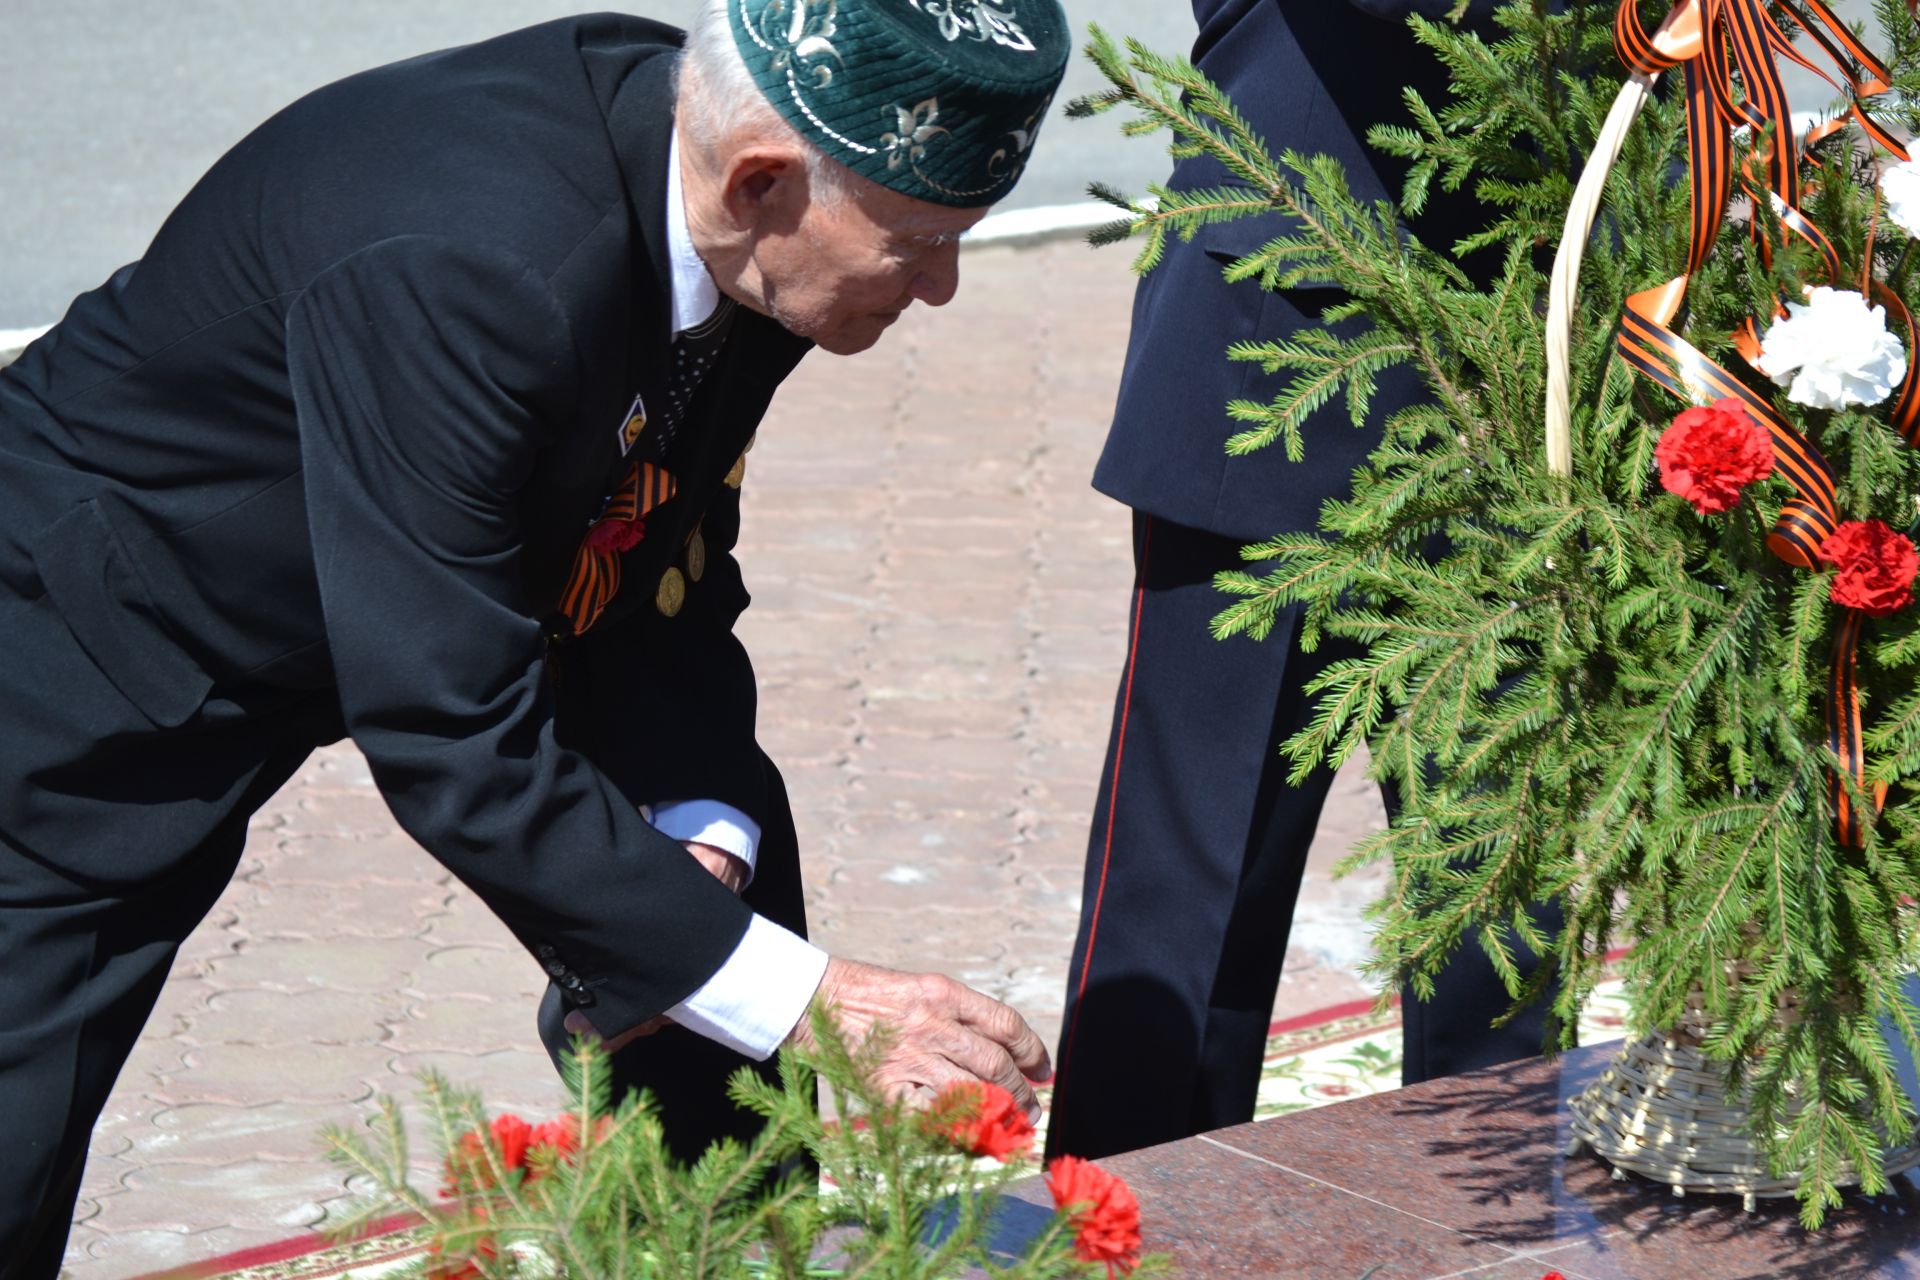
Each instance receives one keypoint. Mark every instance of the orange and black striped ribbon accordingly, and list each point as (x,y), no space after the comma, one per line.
(595,579)
(1715,40)
(1843,734)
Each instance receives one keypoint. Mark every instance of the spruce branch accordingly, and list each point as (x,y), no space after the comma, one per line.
(1583,689)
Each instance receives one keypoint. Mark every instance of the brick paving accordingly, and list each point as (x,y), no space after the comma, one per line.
(939,603)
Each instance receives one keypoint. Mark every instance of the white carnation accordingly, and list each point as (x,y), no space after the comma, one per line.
(1900,184)
(1833,350)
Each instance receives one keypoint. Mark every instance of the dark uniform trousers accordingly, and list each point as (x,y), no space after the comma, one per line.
(1194,863)
(88,947)
(1198,842)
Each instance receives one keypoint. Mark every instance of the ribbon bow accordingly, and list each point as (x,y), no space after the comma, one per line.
(595,579)
(1717,40)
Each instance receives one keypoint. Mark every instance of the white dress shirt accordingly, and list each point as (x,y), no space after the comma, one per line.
(760,994)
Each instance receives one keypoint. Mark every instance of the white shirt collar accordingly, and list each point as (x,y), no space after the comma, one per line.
(695,296)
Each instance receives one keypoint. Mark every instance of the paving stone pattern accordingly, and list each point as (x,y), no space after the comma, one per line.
(938,624)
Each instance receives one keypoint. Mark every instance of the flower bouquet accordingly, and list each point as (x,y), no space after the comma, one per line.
(1628,598)
(594,1194)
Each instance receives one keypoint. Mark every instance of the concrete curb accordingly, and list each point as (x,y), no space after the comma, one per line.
(14,341)
(1050,222)
(1016,228)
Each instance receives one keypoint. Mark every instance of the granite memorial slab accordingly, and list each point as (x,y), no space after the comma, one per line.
(1470,1177)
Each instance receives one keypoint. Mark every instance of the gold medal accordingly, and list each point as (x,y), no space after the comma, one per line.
(672,593)
(739,473)
(696,555)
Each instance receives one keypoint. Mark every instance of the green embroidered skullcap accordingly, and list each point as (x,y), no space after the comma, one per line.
(938,99)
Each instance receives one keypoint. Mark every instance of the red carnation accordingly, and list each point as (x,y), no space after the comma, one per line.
(614,534)
(1103,1211)
(511,1135)
(981,1119)
(1711,453)
(1876,567)
(561,1138)
(562,1135)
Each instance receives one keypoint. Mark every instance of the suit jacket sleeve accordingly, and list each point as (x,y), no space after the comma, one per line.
(426,377)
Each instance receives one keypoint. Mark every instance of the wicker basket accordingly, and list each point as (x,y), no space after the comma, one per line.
(1662,1108)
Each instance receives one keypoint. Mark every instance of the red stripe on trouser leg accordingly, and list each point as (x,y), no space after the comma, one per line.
(1113,790)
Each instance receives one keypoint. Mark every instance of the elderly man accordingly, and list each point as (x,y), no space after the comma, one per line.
(424,420)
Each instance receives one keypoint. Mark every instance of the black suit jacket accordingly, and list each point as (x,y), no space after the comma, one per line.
(340,431)
(1312,76)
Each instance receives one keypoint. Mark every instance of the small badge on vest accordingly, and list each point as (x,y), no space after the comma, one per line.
(632,425)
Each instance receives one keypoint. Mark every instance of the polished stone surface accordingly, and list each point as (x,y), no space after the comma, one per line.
(1468,1177)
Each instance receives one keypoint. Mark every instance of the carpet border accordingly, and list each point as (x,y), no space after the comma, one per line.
(277,1251)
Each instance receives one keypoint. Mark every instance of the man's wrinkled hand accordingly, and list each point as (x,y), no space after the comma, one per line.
(726,868)
(579,1024)
(944,1032)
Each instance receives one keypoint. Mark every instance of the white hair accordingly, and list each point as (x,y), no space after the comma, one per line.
(717,102)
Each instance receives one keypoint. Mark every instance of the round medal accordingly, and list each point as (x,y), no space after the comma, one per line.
(672,593)
(696,556)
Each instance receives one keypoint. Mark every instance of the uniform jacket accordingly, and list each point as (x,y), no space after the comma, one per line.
(338,434)
(1312,76)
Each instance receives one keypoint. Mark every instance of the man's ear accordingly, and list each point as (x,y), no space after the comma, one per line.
(764,189)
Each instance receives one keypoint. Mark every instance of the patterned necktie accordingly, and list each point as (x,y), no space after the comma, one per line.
(694,351)
(621,525)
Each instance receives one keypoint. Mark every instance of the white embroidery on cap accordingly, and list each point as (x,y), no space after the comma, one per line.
(982,19)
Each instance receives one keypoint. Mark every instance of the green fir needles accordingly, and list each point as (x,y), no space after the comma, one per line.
(1584,692)
(596,1194)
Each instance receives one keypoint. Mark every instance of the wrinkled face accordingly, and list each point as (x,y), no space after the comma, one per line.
(840,273)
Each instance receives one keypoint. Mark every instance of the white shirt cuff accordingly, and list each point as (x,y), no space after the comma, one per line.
(759,995)
(707,822)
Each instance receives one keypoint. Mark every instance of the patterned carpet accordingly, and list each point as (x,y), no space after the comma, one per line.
(1331,1055)
(1349,1051)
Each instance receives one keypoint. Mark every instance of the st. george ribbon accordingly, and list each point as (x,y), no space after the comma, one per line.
(1715,41)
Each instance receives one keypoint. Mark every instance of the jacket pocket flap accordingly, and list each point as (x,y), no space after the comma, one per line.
(91,582)
(1239,237)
